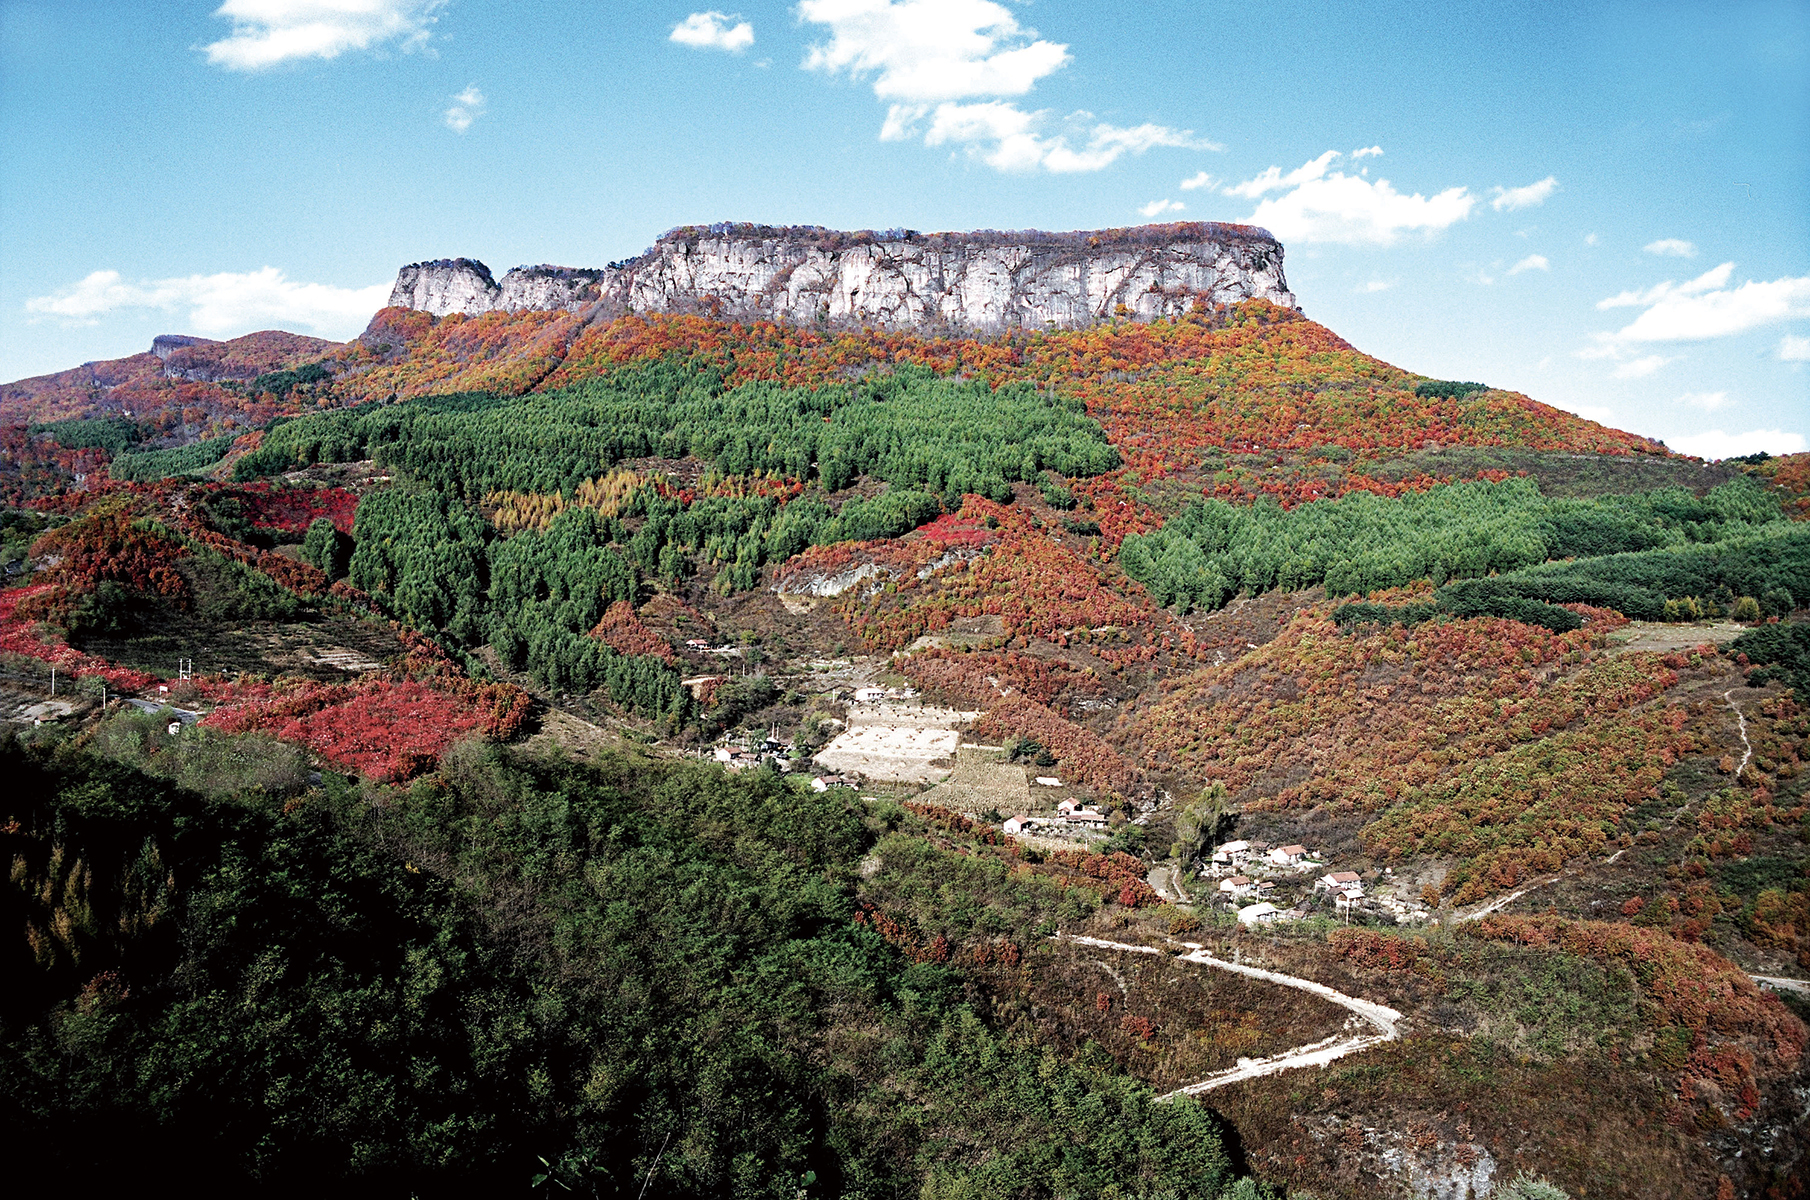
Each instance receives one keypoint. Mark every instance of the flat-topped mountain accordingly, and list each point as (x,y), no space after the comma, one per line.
(895,279)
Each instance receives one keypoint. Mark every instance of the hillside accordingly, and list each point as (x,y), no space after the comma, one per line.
(464,595)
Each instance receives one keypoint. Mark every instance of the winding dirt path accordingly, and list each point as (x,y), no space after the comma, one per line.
(1381,1018)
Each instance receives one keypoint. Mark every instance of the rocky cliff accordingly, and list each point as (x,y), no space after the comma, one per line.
(983,281)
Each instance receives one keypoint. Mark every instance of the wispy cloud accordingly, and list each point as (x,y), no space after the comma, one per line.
(714,31)
(1157,208)
(1316,206)
(1533,262)
(1707,401)
(1715,443)
(268,32)
(1196,181)
(467,107)
(1674,247)
(1640,368)
(1794,349)
(1511,199)
(1375,285)
(927,57)
(226,303)
(1366,152)
(1705,307)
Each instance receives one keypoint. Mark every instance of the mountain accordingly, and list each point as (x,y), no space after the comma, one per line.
(981,282)
(469,858)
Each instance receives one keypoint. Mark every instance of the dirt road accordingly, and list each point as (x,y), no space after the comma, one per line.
(1378,1017)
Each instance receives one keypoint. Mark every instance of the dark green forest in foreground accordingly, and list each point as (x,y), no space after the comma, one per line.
(645,974)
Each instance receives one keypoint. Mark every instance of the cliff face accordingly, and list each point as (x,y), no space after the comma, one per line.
(980,281)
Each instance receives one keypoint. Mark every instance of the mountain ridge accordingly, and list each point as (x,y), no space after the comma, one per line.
(983,281)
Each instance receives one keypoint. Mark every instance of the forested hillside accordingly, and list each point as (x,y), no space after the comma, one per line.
(402,871)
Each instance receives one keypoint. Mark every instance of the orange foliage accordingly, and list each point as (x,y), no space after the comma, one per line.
(622,631)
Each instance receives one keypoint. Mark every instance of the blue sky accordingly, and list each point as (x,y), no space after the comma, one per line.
(1605,206)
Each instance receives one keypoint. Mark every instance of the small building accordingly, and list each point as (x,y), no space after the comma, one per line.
(696,644)
(1338,881)
(824,783)
(1232,853)
(1261,913)
(1287,856)
(1047,781)
(1086,817)
(1238,885)
(1018,823)
(869,695)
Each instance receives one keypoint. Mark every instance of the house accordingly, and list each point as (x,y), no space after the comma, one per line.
(869,695)
(1232,853)
(1238,885)
(1047,781)
(1065,807)
(824,783)
(1086,817)
(696,644)
(1338,881)
(1287,856)
(1019,823)
(1259,914)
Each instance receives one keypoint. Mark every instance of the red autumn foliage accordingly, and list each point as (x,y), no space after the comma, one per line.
(1084,754)
(21,634)
(388,730)
(292,509)
(622,631)
(1727,1017)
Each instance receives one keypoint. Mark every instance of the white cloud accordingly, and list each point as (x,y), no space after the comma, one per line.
(713,31)
(268,32)
(1198,180)
(1705,307)
(925,56)
(1640,368)
(1366,152)
(1510,199)
(1794,349)
(930,50)
(1375,285)
(467,107)
(1533,262)
(1716,444)
(1675,247)
(1318,207)
(1590,239)
(1157,208)
(1010,139)
(227,303)
(1707,401)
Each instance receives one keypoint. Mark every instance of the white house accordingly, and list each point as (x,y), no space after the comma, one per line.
(1338,881)
(1259,914)
(1287,856)
(1047,781)
(824,783)
(1237,885)
(1088,817)
(1018,823)
(869,695)
(1232,853)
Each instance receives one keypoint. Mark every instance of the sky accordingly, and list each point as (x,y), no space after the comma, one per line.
(1605,206)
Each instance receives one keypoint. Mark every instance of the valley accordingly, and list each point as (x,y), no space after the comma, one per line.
(1152,750)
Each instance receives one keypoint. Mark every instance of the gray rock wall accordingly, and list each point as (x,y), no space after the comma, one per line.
(983,282)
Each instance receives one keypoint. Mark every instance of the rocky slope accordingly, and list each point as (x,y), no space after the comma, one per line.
(983,281)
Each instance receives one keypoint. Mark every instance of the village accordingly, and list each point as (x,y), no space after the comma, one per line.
(891,740)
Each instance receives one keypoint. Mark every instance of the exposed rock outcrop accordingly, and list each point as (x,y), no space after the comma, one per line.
(985,281)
